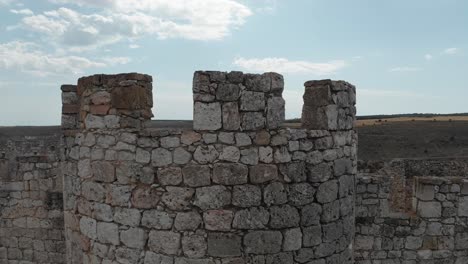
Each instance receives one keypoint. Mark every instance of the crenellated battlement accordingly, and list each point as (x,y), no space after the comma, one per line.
(239,186)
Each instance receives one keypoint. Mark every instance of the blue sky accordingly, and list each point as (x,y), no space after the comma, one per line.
(403,56)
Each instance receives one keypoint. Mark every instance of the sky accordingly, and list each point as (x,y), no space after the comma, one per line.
(402,56)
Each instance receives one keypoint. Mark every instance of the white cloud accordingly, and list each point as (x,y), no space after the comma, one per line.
(115,20)
(26,12)
(283,65)
(428,57)
(29,58)
(451,51)
(405,69)
(134,46)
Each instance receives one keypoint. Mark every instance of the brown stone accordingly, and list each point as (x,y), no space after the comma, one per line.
(70,109)
(99,109)
(130,98)
(262,138)
(145,196)
(190,137)
(101,98)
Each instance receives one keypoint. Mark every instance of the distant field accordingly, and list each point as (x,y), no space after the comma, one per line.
(370,122)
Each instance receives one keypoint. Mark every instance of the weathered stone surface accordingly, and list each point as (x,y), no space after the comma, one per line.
(249,156)
(212,197)
(231,116)
(275,193)
(265,154)
(430,209)
(207,116)
(134,237)
(257,82)
(177,198)
(246,195)
(310,214)
(181,156)
(312,236)
(161,157)
(284,216)
(275,112)
(190,137)
(154,258)
(108,233)
(187,220)
(127,216)
(230,153)
(230,173)
(170,142)
(252,218)
(243,139)
(169,176)
(196,175)
(252,120)
(301,193)
(327,192)
(252,101)
(282,155)
(157,220)
(319,173)
(205,154)
(119,195)
(227,92)
(194,246)
(218,220)
(164,242)
(263,173)
(88,227)
(224,245)
(292,239)
(263,242)
(145,196)
(103,171)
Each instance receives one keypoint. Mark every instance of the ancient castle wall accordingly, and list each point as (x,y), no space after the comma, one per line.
(419,219)
(238,187)
(31,215)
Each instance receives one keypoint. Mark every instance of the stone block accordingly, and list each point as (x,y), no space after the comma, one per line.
(197,175)
(212,197)
(429,209)
(227,92)
(292,239)
(252,218)
(252,121)
(194,246)
(230,173)
(224,245)
(231,116)
(218,220)
(157,220)
(246,195)
(275,112)
(252,101)
(187,221)
(263,173)
(263,242)
(284,216)
(207,116)
(164,242)
(177,198)
(134,237)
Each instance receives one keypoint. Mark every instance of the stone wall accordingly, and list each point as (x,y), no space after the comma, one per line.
(31,216)
(430,227)
(238,188)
